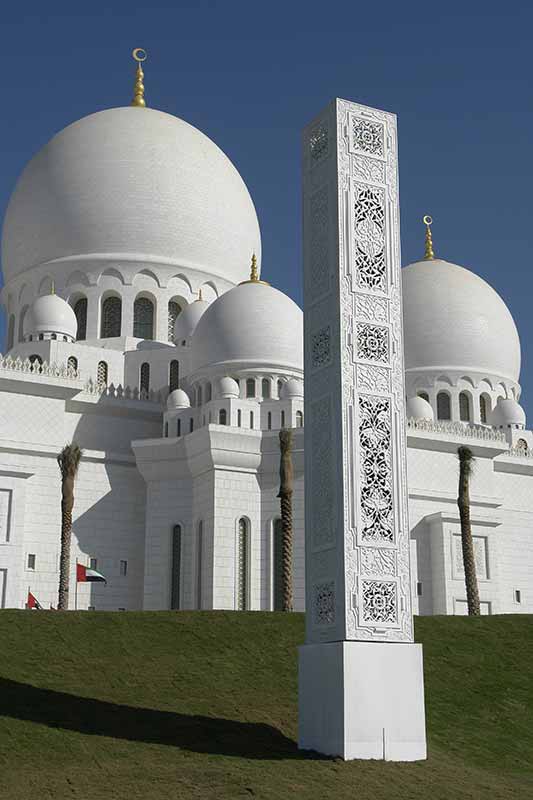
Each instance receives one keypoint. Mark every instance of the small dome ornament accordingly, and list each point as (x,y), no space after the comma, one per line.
(139,56)
(429,254)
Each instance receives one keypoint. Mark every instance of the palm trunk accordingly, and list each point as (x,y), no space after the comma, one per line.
(463,502)
(285,495)
(67,503)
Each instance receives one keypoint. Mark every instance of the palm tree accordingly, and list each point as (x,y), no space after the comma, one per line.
(466,461)
(69,461)
(285,495)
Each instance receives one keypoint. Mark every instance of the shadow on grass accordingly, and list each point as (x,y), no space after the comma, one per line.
(191,732)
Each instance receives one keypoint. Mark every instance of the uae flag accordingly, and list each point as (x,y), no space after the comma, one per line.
(86,574)
(33,602)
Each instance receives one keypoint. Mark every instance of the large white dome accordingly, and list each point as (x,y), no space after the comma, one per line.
(455,321)
(132,182)
(251,325)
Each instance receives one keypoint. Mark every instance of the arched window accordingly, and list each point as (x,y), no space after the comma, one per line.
(251,419)
(191,425)
(484,408)
(282,419)
(144,377)
(143,318)
(11,332)
(250,387)
(72,363)
(178,428)
(80,310)
(174,310)
(101,373)
(280,387)
(41,337)
(521,444)
(444,410)
(166,430)
(174,375)
(265,389)
(424,396)
(277,565)
(299,419)
(199,563)
(464,407)
(208,393)
(53,336)
(111,317)
(199,396)
(269,420)
(175,575)
(222,417)
(242,565)
(21,323)
(239,418)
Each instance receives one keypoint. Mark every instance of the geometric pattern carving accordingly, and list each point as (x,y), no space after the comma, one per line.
(373,379)
(320,347)
(324,604)
(480,556)
(380,603)
(318,143)
(376,469)
(322,490)
(367,136)
(369,239)
(319,282)
(372,343)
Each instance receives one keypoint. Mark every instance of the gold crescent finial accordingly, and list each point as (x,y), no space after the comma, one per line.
(139,55)
(429,254)
(52,287)
(200,294)
(254,275)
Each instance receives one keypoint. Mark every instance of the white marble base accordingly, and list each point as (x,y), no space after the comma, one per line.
(362,700)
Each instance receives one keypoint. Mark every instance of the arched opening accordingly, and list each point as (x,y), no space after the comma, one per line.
(277,565)
(191,425)
(269,420)
(280,387)
(282,419)
(423,395)
(265,389)
(250,387)
(11,331)
(199,396)
(484,408)
(521,444)
(222,417)
(178,428)
(143,318)
(166,430)
(101,373)
(174,310)
(144,377)
(208,393)
(464,407)
(173,375)
(22,317)
(299,419)
(175,575)
(72,363)
(242,564)
(251,419)
(199,564)
(239,418)
(111,324)
(444,407)
(80,311)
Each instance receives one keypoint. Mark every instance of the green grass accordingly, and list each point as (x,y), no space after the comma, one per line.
(204,705)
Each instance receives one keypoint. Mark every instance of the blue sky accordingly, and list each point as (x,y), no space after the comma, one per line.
(251,75)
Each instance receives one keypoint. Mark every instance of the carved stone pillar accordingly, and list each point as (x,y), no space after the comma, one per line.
(361,683)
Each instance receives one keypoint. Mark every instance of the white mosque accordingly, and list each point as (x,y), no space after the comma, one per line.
(137,329)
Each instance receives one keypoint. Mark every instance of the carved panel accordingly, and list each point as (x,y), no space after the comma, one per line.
(371,308)
(480,557)
(377,561)
(373,379)
(321,347)
(372,343)
(319,282)
(319,143)
(367,136)
(369,237)
(324,605)
(379,602)
(368,169)
(323,507)
(377,523)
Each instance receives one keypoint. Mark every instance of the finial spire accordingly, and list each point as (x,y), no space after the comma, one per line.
(138,92)
(254,275)
(429,254)
(52,287)
(200,294)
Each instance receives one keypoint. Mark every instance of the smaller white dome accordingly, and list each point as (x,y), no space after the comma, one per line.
(228,387)
(507,412)
(52,314)
(418,408)
(178,399)
(189,318)
(291,389)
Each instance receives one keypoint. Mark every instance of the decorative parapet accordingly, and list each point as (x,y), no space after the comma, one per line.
(124,393)
(522,452)
(37,368)
(464,429)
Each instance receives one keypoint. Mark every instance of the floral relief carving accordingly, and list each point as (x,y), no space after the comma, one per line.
(380,602)
(325,603)
(372,342)
(373,379)
(371,308)
(369,237)
(319,283)
(377,522)
(368,169)
(321,347)
(319,143)
(376,561)
(323,508)
(368,136)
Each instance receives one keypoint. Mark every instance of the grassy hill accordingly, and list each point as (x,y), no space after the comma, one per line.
(204,704)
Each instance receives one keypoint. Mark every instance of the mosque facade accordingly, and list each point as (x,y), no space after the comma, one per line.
(139,326)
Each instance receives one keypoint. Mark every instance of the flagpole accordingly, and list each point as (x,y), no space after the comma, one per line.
(28,597)
(76,592)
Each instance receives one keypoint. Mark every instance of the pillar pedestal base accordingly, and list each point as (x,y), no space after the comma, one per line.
(362,700)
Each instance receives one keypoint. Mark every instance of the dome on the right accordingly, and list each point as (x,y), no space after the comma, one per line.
(455,322)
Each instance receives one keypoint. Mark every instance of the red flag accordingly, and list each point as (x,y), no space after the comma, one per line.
(33,602)
(80,573)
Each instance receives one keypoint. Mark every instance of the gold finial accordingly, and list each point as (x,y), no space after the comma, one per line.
(429,254)
(200,294)
(254,275)
(52,287)
(138,92)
